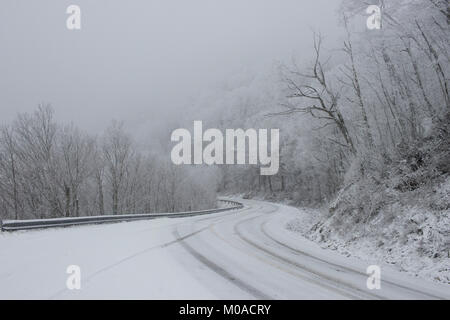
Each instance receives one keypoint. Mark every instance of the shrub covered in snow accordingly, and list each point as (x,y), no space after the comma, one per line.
(404,218)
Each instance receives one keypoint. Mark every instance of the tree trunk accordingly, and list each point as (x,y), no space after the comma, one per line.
(67,194)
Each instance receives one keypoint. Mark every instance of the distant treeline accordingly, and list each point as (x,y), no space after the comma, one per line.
(51,170)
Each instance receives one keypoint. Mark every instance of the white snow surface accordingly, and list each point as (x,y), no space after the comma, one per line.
(394,244)
(240,254)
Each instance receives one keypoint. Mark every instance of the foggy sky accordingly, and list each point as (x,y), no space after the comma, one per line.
(141,60)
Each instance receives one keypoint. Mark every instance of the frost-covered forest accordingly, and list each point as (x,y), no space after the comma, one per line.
(362,124)
(352,113)
(318,130)
(53,170)
(365,133)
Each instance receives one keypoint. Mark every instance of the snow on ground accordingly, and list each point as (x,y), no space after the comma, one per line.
(239,254)
(395,246)
(122,260)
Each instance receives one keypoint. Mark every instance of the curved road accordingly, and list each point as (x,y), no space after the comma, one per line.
(242,254)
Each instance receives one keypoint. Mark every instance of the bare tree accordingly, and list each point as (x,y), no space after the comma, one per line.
(314,88)
(117,151)
(8,165)
(76,151)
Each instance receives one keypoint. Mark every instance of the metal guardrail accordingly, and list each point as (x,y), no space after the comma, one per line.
(13,225)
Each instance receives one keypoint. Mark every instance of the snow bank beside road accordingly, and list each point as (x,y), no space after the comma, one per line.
(400,244)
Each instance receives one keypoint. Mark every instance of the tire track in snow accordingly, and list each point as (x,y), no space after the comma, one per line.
(278,265)
(335,285)
(144,251)
(221,271)
(350,270)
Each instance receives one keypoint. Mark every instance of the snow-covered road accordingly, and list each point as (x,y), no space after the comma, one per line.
(243,254)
